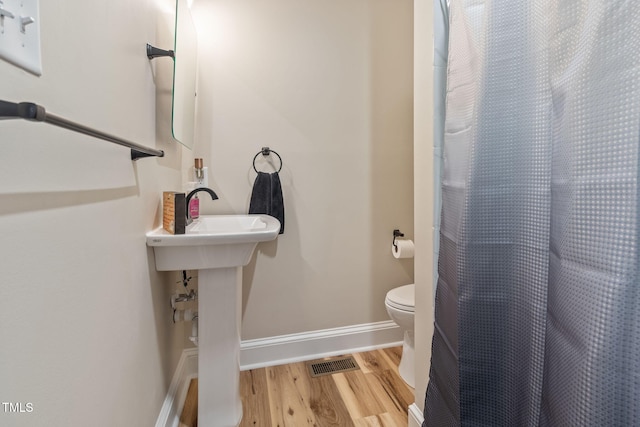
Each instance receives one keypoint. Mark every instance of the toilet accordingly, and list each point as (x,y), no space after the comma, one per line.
(400,303)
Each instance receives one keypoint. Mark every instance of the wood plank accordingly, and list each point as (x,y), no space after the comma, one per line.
(391,357)
(397,388)
(385,383)
(189,415)
(380,420)
(255,397)
(374,361)
(393,354)
(326,403)
(392,392)
(289,398)
(367,361)
(357,395)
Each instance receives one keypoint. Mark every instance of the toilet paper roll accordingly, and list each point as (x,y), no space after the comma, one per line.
(405,249)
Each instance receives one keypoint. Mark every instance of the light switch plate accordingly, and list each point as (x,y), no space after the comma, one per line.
(20,34)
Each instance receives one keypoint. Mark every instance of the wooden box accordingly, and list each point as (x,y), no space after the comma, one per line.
(174,212)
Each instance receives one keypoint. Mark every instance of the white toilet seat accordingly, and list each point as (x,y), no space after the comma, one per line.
(402,298)
(399,307)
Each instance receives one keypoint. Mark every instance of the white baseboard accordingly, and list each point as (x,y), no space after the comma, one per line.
(279,350)
(172,407)
(415,416)
(292,348)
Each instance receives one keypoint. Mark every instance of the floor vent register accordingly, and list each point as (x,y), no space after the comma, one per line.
(333,366)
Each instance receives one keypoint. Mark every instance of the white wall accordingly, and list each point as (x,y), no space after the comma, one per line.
(424,182)
(328,85)
(85,328)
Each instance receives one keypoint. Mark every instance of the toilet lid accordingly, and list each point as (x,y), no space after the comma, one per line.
(402,298)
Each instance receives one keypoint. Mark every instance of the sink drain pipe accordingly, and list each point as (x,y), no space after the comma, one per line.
(194,330)
(188,316)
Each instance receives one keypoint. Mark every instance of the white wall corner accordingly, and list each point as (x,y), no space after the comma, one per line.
(172,407)
(424,218)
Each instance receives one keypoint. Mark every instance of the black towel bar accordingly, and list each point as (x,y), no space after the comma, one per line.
(265,152)
(33,112)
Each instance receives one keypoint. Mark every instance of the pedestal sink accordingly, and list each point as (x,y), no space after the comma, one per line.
(217,246)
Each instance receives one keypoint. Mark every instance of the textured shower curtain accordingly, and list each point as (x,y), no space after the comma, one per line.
(538,294)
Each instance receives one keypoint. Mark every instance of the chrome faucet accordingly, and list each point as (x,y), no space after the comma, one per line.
(212,193)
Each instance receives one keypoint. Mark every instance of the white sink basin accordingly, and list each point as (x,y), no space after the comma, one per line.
(212,241)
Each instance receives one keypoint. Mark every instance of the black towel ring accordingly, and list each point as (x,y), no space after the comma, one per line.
(265,152)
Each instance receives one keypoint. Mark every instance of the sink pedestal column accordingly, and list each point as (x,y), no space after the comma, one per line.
(219,315)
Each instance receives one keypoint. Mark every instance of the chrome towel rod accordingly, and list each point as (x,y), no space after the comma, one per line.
(37,113)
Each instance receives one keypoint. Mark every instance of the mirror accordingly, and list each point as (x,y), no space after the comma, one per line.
(183,106)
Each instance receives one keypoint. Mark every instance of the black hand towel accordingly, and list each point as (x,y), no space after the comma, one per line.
(266,197)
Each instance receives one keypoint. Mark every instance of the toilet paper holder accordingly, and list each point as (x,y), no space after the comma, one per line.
(396,234)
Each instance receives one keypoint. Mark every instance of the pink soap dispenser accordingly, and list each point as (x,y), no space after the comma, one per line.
(194,207)
(194,203)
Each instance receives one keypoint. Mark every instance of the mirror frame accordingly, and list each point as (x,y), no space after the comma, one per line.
(185,62)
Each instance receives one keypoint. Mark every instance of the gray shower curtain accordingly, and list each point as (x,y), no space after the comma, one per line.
(538,293)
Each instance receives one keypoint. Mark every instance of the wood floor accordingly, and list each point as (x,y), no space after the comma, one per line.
(287,395)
